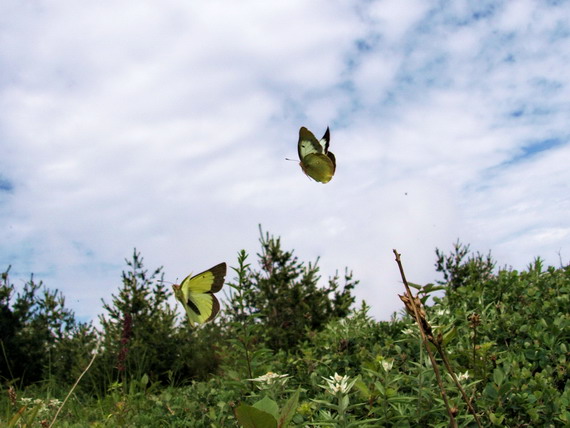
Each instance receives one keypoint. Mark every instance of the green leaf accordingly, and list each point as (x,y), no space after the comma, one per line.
(144,381)
(380,387)
(363,388)
(416,286)
(344,401)
(491,391)
(288,410)
(449,336)
(498,376)
(250,417)
(496,420)
(267,405)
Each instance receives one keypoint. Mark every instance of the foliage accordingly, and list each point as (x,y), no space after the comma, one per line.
(285,298)
(244,353)
(519,351)
(138,327)
(459,271)
(40,339)
(142,336)
(266,413)
(506,334)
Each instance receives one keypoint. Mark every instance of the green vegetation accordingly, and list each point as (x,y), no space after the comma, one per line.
(289,352)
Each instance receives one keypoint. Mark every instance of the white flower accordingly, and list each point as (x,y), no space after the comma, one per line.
(463,376)
(338,384)
(54,402)
(271,378)
(37,403)
(387,365)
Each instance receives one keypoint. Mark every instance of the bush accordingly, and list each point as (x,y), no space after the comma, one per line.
(39,336)
(285,299)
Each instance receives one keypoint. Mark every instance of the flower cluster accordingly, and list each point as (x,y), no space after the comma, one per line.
(270,379)
(463,376)
(338,384)
(43,406)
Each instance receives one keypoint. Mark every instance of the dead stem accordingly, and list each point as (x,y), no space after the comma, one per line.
(413,307)
(74,385)
(443,354)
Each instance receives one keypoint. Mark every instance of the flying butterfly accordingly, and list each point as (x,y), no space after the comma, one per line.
(196,293)
(315,159)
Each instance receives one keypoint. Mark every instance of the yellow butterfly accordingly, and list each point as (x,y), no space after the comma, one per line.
(316,160)
(196,293)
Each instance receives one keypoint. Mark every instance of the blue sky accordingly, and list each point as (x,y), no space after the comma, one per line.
(166,126)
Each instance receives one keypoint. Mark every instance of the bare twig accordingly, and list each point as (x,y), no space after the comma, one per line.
(443,354)
(74,385)
(413,306)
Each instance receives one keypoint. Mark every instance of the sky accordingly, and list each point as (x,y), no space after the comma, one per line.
(164,126)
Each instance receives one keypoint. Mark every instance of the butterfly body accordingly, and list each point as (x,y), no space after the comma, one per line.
(315,159)
(196,293)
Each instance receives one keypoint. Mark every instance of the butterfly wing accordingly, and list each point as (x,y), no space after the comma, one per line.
(319,167)
(315,159)
(326,140)
(196,293)
(210,280)
(308,144)
(333,162)
(202,307)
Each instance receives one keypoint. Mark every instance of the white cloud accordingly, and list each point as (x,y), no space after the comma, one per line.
(517,15)
(528,203)
(394,19)
(166,127)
